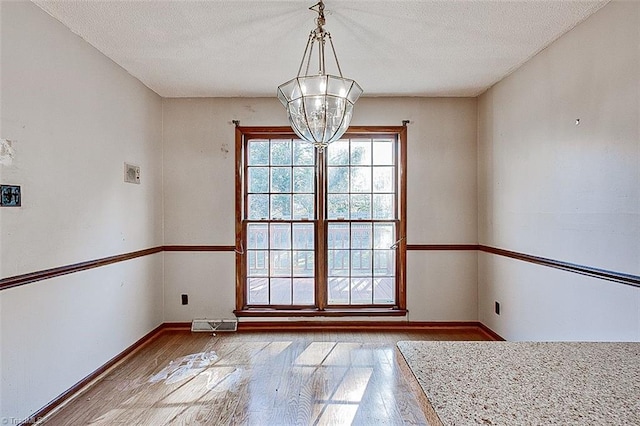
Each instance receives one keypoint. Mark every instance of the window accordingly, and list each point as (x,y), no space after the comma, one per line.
(319,230)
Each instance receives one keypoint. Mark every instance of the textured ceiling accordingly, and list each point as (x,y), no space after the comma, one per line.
(223,48)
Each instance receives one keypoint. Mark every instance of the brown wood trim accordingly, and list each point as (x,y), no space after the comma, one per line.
(176,326)
(197,248)
(350,312)
(442,247)
(489,332)
(242,134)
(240,293)
(618,277)
(399,326)
(69,393)
(288,131)
(46,274)
(269,130)
(321,229)
(402,247)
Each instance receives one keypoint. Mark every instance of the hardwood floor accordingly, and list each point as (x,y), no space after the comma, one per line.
(258,378)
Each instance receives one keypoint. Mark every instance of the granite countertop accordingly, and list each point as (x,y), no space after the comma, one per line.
(528,383)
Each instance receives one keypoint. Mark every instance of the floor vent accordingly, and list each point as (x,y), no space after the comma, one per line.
(209,326)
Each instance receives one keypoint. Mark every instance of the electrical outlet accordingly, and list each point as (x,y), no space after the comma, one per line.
(497,308)
(185,299)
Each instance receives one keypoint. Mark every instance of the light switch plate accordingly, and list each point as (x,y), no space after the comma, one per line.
(131,173)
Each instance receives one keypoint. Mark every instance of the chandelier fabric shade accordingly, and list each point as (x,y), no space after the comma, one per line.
(319,106)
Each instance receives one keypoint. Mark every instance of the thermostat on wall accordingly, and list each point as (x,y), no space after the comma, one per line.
(131,173)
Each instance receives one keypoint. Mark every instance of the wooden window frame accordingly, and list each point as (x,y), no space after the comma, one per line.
(321,309)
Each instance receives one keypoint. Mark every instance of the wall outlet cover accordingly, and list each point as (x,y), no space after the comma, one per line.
(131,173)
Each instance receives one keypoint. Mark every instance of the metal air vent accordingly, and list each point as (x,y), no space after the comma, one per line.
(211,326)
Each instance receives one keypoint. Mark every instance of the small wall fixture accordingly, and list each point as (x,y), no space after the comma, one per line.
(131,173)
(10,196)
(319,106)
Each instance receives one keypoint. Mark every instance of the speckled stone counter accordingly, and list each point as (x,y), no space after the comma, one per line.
(527,383)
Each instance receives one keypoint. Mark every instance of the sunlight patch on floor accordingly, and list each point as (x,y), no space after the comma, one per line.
(353,385)
(315,353)
(338,414)
(343,354)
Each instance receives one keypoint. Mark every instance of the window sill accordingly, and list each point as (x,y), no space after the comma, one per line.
(351,312)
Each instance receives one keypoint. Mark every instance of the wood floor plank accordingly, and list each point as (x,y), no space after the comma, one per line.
(258,378)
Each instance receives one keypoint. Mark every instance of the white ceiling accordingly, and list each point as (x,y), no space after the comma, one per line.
(223,48)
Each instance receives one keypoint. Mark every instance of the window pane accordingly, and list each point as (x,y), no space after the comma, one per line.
(384,236)
(303,236)
(258,153)
(258,206)
(281,179)
(258,291)
(280,152)
(384,263)
(361,152)
(338,153)
(338,263)
(280,263)
(258,179)
(303,264)
(257,263)
(361,206)
(382,152)
(303,291)
(281,291)
(338,290)
(280,236)
(338,236)
(257,236)
(361,263)
(303,179)
(384,290)
(383,206)
(303,153)
(361,291)
(281,207)
(338,179)
(383,179)
(361,235)
(303,206)
(361,179)
(337,206)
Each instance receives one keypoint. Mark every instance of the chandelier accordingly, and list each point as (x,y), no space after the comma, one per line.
(320,105)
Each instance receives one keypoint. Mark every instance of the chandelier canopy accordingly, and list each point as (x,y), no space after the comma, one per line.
(320,105)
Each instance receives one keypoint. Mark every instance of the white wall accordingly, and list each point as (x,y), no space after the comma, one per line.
(199,173)
(553,189)
(75,117)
